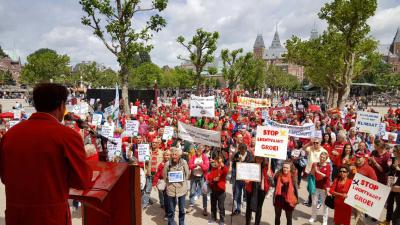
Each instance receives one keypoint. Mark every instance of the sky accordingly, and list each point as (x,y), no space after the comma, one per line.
(28,25)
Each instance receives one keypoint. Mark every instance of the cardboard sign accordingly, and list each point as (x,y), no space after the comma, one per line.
(107,131)
(132,128)
(168,133)
(367,195)
(248,171)
(175,176)
(96,119)
(305,131)
(368,122)
(198,135)
(202,106)
(134,110)
(271,142)
(114,150)
(143,152)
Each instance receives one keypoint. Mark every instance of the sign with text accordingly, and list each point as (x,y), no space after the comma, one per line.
(367,195)
(248,171)
(114,150)
(254,102)
(108,111)
(202,106)
(271,142)
(107,131)
(134,109)
(198,135)
(17,114)
(132,128)
(305,131)
(168,133)
(96,119)
(143,152)
(175,176)
(368,122)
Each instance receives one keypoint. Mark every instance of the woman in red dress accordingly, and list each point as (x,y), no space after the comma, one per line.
(339,189)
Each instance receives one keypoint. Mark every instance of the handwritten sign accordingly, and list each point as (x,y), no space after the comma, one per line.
(107,131)
(143,152)
(175,176)
(271,142)
(96,119)
(168,133)
(132,128)
(134,110)
(202,106)
(367,195)
(114,150)
(248,171)
(368,122)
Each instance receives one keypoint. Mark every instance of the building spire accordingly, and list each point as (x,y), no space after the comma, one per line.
(259,43)
(314,32)
(276,42)
(396,39)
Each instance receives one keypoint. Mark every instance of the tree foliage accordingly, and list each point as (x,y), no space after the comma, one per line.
(114,23)
(6,78)
(93,75)
(235,66)
(276,78)
(145,76)
(44,65)
(201,51)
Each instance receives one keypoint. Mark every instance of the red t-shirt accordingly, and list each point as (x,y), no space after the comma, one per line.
(322,182)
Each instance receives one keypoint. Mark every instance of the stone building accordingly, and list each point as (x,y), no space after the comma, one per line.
(393,57)
(274,55)
(12,65)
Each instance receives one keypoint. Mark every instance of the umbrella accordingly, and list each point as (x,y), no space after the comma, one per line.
(6,115)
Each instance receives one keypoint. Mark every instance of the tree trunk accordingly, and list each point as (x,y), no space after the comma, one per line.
(328,95)
(347,77)
(124,79)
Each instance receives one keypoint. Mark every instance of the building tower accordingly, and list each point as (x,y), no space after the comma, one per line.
(259,47)
(395,46)
(314,33)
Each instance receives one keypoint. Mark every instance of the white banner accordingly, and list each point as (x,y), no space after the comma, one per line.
(271,142)
(143,152)
(248,171)
(132,127)
(305,131)
(168,133)
(134,109)
(368,122)
(114,150)
(367,195)
(96,119)
(107,131)
(202,106)
(198,135)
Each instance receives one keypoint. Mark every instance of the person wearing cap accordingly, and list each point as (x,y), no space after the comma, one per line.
(198,164)
(176,173)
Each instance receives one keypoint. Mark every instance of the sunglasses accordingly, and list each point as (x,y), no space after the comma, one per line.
(343,171)
(316,142)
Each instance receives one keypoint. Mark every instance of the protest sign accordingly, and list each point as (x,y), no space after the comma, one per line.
(274,111)
(175,176)
(17,114)
(202,106)
(271,142)
(254,102)
(132,127)
(91,101)
(84,108)
(305,131)
(107,131)
(367,195)
(368,122)
(13,123)
(108,111)
(114,150)
(382,129)
(198,135)
(134,109)
(264,114)
(143,152)
(96,119)
(168,133)
(248,171)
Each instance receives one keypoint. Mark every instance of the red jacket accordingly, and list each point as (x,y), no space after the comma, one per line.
(217,185)
(51,160)
(204,166)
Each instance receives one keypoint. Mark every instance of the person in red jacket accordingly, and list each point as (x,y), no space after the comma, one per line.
(162,195)
(256,191)
(217,181)
(54,161)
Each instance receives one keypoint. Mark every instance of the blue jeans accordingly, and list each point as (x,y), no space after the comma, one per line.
(195,188)
(239,190)
(171,209)
(147,191)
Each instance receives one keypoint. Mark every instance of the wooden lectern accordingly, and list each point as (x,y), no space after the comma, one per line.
(114,199)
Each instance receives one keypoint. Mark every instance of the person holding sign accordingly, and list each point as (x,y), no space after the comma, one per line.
(285,195)
(217,180)
(176,172)
(256,191)
(395,217)
(339,189)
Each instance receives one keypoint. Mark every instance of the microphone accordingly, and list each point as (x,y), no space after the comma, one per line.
(71,117)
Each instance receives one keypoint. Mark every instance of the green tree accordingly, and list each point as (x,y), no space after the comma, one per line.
(2,53)
(94,75)
(113,23)
(389,81)
(145,75)
(348,19)
(44,65)
(6,78)
(255,75)
(276,79)
(183,78)
(201,51)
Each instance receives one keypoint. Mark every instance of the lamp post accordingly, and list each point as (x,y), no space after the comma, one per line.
(155,92)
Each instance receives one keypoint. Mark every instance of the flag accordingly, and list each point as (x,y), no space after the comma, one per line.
(115,113)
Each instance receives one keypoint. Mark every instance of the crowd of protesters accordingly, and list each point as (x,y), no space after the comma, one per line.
(325,164)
